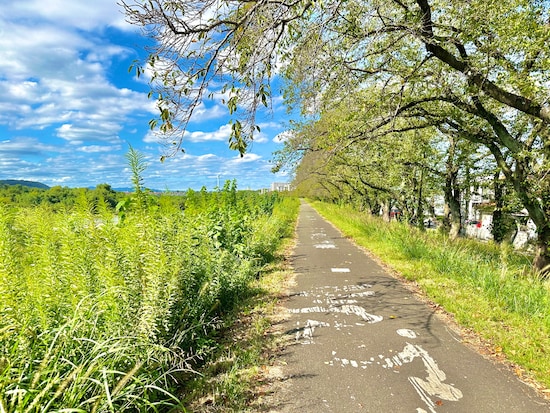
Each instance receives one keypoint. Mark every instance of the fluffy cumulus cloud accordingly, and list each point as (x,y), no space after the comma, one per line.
(220,134)
(55,70)
(204,113)
(69,108)
(84,15)
(25,146)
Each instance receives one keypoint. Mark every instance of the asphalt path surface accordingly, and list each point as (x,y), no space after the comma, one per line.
(361,342)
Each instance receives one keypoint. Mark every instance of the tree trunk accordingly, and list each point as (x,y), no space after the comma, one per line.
(456,217)
(420,205)
(386,210)
(445,227)
(542,254)
(374,208)
(453,216)
(499,228)
(538,210)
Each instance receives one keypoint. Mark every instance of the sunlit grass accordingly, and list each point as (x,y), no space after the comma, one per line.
(231,380)
(110,315)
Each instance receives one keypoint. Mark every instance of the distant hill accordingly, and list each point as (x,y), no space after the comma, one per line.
(30,184)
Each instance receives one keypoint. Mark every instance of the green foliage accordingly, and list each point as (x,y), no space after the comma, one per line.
(474,72)
(136,162)
(59,198)
(100,314)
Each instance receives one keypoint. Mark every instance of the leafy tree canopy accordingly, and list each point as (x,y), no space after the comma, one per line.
(475,71)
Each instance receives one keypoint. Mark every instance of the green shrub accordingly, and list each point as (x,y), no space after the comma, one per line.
(108,315)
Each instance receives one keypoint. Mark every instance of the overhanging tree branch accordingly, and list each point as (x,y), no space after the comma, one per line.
(513,100)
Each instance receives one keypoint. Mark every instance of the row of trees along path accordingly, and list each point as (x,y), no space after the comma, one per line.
(465,84)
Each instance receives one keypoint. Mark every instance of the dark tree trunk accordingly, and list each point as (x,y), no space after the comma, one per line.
(542,254)
(456,216)
(538,209)
(374,208)
(499,227)
(386,210)
(445,227)
(452,218)
(420,205)
(452,222)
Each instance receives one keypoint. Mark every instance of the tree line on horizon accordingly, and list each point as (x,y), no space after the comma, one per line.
(103,195)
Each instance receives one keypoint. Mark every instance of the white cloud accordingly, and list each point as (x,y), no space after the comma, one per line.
(209,157)
(269,125)
(84,169)
(79,134)
(99,149)
(247,157)
(221,134)
(61,180)
(283,136)
(153,136)
(65,112)
(26,146)
(260,137)
(55,72)
(202,113)
(85,15)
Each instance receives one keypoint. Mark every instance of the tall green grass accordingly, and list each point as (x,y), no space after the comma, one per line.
(100,314)
(489,288)
(232,379)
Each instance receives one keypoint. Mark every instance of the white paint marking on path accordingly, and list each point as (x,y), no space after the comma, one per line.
(361,312)
(346,309)
(332,294)
(325,246)
(433,384)
(340,302)
(307,332)
(363,294)
(347,288)
(339,326)
(346,362)
(340,269)
(405,332)
(304,310)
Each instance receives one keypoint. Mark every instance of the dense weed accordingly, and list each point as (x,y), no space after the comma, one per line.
(100,314)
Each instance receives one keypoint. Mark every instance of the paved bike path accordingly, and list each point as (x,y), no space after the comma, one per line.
(361,342)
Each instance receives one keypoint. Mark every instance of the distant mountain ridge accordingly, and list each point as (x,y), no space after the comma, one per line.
(34,184)
(31,184)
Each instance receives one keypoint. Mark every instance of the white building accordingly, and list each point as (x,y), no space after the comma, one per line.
(280,186)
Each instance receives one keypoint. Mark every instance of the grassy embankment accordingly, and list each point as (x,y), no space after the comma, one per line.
(105,315)
(487,288)
(232,379)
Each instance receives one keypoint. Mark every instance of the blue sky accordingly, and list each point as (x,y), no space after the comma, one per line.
(69,107)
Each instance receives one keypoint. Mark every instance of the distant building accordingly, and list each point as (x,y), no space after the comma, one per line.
(280,186)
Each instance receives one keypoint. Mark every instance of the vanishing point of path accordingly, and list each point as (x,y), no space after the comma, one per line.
(361,342)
